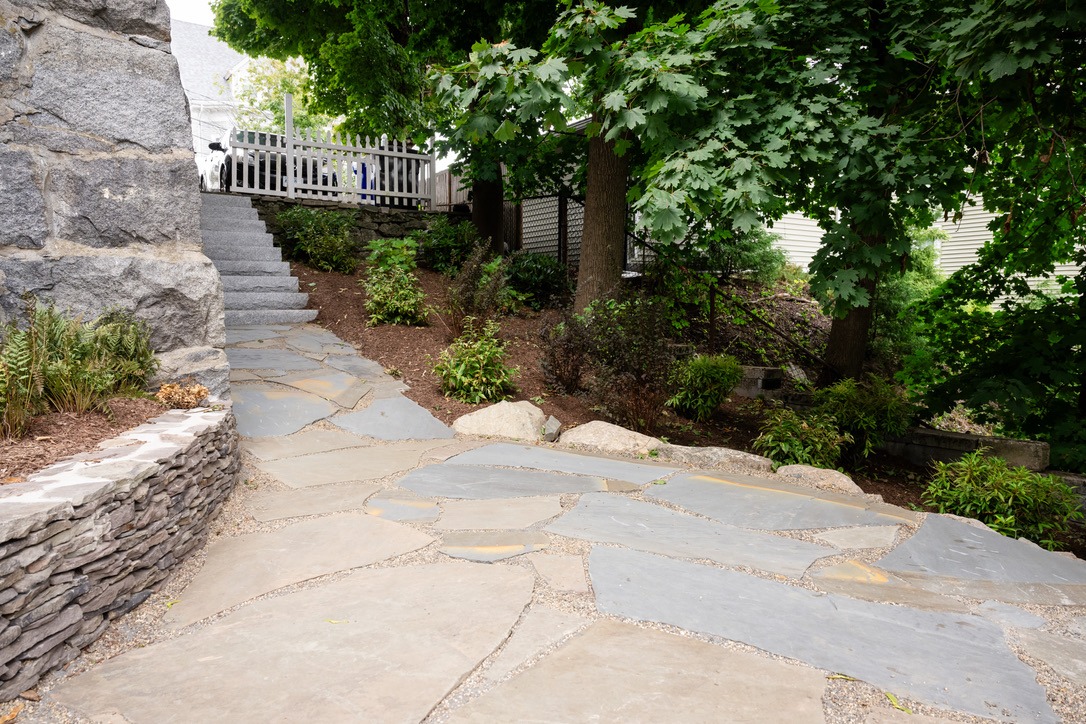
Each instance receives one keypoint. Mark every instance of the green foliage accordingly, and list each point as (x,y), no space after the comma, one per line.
(260,98)
(541,277)
(702,383)
(565,347)
(63,364)
(473,368)
(320,237)
(1010,500)
(445,246)
(788,438)
(868,411)
(894,329)
(387,254)
(393,296)
(479,291)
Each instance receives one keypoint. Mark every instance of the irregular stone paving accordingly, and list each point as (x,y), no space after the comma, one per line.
(589,588)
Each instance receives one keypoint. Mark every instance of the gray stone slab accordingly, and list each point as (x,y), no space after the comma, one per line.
(268,410)
(242,376)
(396,418)
(478,482)
(1009,616)
(269,359)
(951,557)
(237,335)
(608,518)
(1065,656)
(380,645)
(868,536)
(562,572)
(751,502)
(515,513)
(490,546)
(403,505)
(317,341)
(278,504)
(306,442)
(944,659)
(238,569)
(540,628)
(333,385)
(351,464)
(357,366)
(622,674)
(540,458)
(1078,626)
(868,583)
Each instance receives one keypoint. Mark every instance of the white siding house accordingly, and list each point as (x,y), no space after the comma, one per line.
(800,238)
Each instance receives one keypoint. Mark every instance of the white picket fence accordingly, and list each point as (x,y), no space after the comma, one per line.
(381,172)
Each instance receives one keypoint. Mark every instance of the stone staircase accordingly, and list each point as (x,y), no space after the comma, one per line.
(257,285)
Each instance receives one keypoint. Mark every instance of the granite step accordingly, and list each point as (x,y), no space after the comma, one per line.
(214,200)
(230,222)
(251,317)
(252,268)
(264,300)
(233,283)
(244,253)
(217,216)
(236,238)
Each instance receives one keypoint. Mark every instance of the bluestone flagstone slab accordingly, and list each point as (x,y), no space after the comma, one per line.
(395,418)
(237,335)
(380,645)
(349,464)
(316,341)
(608,518)
(951,557)
(540,458)
(1066,657)
(270,410)
(270,505)
(869,583)
(868,536)
(403,505)
(540,628)
(1009,616)
(489,546)
(333,385)
(504,513)
(945,659)
(622,674)
(763,504)
(306,442)
(357,366)
(269,359)
(478,482)
(247,566)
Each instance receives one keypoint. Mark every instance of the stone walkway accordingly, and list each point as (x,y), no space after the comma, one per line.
(382,569)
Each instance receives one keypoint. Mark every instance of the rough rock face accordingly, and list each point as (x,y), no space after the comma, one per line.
(509,420)
(99,191)
(608,438)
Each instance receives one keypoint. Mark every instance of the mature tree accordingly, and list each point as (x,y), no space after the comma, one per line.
(260,96)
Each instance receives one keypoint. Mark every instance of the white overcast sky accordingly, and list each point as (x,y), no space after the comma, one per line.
(192,11)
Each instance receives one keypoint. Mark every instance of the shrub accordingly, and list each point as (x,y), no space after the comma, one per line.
(320,238)
(393,296)
(473,368)
(478,291)
(894,327)
(446,246)
(788,438)
(702,383)
(543,278)
(386,254)
(564,353)
(1010,500)
(869,411)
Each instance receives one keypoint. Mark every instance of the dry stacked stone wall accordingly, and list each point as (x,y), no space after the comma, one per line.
(90,538)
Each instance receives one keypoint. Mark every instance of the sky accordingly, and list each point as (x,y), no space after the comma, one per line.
(191,11)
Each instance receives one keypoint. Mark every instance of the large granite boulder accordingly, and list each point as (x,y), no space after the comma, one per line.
(607,438)
(508,420)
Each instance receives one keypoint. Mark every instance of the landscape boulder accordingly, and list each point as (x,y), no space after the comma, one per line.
(509,420)
(608,438)
(713,458)
(822,478)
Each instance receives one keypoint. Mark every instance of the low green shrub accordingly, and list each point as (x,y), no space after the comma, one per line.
(702,383)
(788,438)
(869,411)
(564,353)
(478,291)
(393,253)
(544,280)
(393,296)
(320,237)
(445,246)
(473,368)
(1010,500)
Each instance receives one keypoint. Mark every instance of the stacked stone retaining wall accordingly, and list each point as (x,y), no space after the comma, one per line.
(88,539)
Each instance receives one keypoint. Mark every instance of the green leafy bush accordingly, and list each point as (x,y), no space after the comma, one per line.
(478,291)
(393,253)
(564,353)
(320,237)
(473,368)
(788,438)
(393,296)
(544,280)
(446,246)
(1010,500)
(869,411)
(894,328)
(703,382)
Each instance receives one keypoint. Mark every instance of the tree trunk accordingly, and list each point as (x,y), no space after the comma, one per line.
(847,345)
(487,209)
(604,236)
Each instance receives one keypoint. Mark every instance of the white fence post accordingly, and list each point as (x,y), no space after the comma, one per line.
(288,138)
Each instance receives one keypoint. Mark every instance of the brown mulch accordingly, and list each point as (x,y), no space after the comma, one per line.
(57,435)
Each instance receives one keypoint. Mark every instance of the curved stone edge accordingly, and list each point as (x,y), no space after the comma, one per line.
(89,538)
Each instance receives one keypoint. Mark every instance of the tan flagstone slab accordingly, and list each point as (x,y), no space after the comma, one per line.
(490,546)
(563,572)
(1066,657)
(278,504)
(238,569)
(339,466)
(505,513)
(379,645)
(868,536)
(306,442)
(403,505)
(869,583)
(540,628)
(617,672)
